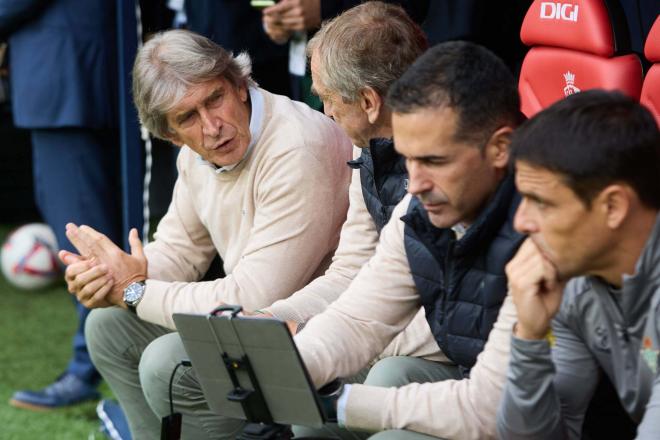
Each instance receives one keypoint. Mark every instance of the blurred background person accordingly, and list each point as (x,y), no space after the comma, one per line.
(63,72)
(495,25)
(236,26)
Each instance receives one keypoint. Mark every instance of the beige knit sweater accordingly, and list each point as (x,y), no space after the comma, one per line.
(357,244)
(378,304)
(274,219)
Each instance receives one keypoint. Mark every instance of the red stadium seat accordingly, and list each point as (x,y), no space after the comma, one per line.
(576,45)
(651,88)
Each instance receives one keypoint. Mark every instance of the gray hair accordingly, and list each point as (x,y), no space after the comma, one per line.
(370,45)
(169,63)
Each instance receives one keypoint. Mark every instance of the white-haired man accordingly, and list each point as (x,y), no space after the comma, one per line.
(262,182)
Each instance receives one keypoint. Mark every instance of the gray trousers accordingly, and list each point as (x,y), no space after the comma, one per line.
(394,371)
(136,359)
(400,434)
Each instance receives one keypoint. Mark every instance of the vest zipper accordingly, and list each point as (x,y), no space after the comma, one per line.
(445,295)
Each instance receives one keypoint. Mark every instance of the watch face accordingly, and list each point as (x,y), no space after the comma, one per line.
(133,293)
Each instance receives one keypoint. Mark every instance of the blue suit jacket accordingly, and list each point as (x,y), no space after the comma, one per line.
(63,62)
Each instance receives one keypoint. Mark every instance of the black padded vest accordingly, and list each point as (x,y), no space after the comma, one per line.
(383,177)
(462,283)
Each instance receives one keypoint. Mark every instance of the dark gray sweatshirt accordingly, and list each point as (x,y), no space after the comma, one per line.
(548,390)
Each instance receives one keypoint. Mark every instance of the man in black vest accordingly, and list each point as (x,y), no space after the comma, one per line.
(445,248)
(352,81)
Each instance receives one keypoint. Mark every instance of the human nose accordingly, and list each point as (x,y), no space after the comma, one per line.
(210,125)
(523,221)
(418,181)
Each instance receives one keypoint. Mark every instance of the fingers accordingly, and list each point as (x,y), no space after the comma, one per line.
(78,275)
(278,8)
(276,32)
(272,23)
(526,251)
(535,290)
(530,273)
(95,290)
(293,23)
(519,264)
(97,242)
(72,235)
(136,244)
(549,274)
(530,263)
(99,298)
(68,258)
(94,245)
(89,276)
(282,19)
(85,239)
(75,269)
(90,283)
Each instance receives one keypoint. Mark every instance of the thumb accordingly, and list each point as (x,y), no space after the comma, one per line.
(136,244)
(68,258)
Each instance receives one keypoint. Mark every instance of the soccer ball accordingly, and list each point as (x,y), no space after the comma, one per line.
(29,257)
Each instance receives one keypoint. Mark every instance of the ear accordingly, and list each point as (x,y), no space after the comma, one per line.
(371,104)
(614,202)
(243,92)
(497,147)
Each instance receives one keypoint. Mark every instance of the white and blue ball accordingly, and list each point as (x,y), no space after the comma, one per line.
(29,257)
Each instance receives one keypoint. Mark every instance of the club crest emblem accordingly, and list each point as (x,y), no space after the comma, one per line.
(550,337)
(649,354)
(570,88)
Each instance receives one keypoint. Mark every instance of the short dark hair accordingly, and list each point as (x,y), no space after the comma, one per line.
(593,139)
(467,77)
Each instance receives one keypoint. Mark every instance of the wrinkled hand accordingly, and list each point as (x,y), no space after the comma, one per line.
(86,279)
(102,259)
(288,16)
(291,325)
(535,289)
(275,30)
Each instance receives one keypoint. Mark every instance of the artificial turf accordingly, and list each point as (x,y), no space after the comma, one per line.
(36,330)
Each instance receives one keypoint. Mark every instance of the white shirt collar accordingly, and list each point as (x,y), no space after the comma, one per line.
(460,230)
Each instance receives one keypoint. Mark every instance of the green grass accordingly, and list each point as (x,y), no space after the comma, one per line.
(36,330)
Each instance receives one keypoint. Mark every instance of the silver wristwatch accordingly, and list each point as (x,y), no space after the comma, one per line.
(133,294)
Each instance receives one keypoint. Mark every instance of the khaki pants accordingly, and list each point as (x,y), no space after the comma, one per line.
(137,359)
